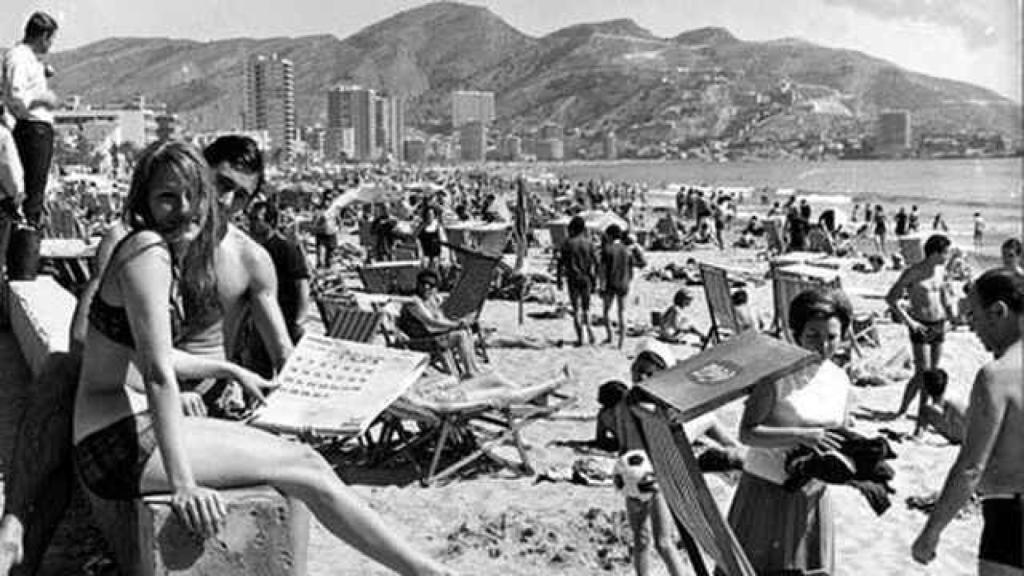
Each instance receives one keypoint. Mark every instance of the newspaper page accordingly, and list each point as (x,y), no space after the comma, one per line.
(337,387)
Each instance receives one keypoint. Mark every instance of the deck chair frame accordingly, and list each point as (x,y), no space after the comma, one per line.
(485,427)
(469,294)
(720,306)
(786,284)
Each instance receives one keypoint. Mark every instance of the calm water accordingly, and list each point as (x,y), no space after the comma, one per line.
(957,188)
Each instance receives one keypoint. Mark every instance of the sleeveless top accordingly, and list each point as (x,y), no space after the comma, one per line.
(817,399)
(112,321)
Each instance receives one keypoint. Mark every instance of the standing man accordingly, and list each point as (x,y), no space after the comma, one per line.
(979,232)
(991,459)
(617,263)
(289,263)
(924,285)
(31,102)
(577,263)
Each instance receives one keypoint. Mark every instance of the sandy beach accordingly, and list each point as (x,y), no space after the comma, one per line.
(495,523)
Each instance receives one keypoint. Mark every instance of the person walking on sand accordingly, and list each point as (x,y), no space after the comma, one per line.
(617,263)
(979,232)
(991,458)
(577,264)
(930,306)
(28,98)
(881,225)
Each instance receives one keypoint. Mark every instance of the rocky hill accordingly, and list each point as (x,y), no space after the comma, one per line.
(593,76)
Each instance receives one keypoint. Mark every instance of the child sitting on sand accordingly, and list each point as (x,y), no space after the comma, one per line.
(945,415)
(675,324)
(745,317)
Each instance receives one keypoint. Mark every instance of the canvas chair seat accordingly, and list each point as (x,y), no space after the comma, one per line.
(481,417)
(724,321)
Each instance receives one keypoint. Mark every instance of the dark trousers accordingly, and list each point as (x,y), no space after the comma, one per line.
(35,147)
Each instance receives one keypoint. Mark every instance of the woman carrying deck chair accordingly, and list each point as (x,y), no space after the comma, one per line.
(783,531)
(131,437)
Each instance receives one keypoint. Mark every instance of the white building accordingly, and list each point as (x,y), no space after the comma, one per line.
(471,106)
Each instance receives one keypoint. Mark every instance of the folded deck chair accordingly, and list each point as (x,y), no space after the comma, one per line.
(720,306)
(693,387)
(478,415)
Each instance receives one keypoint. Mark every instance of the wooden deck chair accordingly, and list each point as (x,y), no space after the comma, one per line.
(469,294)
(720,306)
(477,425)
(773,236)
(693,387)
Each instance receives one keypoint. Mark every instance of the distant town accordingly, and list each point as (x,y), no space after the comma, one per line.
(366,125)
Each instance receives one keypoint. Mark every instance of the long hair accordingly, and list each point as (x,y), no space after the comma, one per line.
(197,277)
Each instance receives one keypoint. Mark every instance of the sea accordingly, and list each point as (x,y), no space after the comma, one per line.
(955,187)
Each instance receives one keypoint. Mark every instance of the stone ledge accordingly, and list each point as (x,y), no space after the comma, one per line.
(148,539)
(40,316)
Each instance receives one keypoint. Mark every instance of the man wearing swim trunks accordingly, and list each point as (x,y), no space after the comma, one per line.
(991,459)
(577,263)
(921,299)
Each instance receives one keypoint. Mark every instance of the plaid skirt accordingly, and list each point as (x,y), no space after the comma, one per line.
(784,532)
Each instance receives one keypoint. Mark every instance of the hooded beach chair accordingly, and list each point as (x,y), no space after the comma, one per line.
(720,306)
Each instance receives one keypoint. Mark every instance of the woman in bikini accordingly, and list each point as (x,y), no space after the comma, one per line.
(131,436)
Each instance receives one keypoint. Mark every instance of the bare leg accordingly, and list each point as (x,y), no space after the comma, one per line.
(577,324)
(586,325)
(227,454)
(607,306)
(620,303)
(638,511)
(914,385)
(39,478)
(661,521)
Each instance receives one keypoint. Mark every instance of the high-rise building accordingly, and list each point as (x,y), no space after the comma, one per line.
(351,122)
(513,149)
(389,113)
(470,106)
(893,135)
(551,130)
(473,141)
(270,101)
(550,149)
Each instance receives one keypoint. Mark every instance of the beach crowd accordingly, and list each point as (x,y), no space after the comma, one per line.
(202,275)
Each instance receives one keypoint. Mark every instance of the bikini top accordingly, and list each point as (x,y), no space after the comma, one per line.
(112,321)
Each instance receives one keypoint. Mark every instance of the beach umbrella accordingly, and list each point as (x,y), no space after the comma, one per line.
(600,220)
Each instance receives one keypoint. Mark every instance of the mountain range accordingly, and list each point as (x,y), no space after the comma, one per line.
(594,77)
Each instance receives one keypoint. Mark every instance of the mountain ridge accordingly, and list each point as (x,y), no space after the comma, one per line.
(594,76)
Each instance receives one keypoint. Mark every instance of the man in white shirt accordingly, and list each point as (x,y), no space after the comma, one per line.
(28,98)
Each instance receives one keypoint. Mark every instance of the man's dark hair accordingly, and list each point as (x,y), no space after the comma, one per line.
(427,274)
(819,304)
(1013,245)
(1001,285)
(241,152)
(613,232)
(40,24)
(611,393)
(577,226)
(740,297)
(270,214)
(934,381)
(935,244)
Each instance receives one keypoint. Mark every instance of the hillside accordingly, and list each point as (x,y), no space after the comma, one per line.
(592,76)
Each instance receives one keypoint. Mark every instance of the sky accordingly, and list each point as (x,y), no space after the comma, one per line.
(976,41)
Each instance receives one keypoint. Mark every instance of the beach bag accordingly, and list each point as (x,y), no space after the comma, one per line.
(23,252)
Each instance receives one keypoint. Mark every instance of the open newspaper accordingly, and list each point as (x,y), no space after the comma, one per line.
(337,387)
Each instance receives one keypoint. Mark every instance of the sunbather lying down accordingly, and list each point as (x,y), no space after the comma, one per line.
(485,391)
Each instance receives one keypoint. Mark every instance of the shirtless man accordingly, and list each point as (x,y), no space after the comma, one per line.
(991,460)
(924,285)
(39,480)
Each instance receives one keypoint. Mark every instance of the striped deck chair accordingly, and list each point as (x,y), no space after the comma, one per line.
(355,324)
(468,295)
(720,306)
